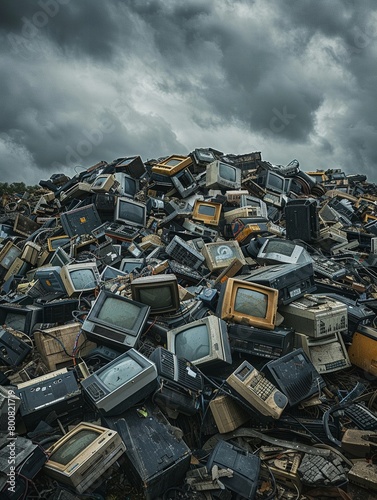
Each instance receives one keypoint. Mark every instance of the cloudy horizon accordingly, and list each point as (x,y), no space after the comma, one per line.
(88,81)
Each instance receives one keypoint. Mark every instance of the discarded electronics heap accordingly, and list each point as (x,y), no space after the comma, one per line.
(197,326)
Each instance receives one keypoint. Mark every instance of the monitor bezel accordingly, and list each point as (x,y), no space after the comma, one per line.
(125,199)
(156,281)
(274,257)
(207,219)
(67,280)
(227,301)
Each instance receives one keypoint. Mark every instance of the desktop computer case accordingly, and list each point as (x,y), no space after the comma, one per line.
(155,458)
(227,414)
(315,317)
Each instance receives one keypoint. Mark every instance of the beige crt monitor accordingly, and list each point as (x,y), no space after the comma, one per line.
(80,457)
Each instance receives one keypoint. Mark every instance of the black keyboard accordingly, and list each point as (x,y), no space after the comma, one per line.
(361,416)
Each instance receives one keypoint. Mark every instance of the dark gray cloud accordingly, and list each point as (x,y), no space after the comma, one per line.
(88,81)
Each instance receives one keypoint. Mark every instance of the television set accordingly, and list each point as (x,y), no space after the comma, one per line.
(60,258)
(121,383)
(207,212)
(115,321)
(277,250)
(81,456)
(277,183)
(221,175)
(103,183)
(160,292)
(130,212)
(80,277)
(128,185)
(111,273)
(248,303)
(20,317)
(203,342)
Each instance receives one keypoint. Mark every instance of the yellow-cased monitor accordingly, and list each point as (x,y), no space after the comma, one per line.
(172,165)
(208,212)
(80,457)
(58,241)
(363,350)
(220,254)
(248,303)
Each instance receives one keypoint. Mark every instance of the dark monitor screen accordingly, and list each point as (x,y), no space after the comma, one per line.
(15,320)
(130,212)
(83,279)
(274,181)
(74,446)
(208,210)
(160,292)
(251,302)
(227,172)
(185,178)
(112,313)
(193,343)
(172,162)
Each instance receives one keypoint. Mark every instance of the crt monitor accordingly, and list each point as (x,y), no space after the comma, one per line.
(207,212)
(130,212)
(248,303)
(203,342)
(160,292)
(276,250)
(21,318)
(115,321)
(82,455)
(223,175)
(277,183)
(80,277)
(128,185)
(121,383)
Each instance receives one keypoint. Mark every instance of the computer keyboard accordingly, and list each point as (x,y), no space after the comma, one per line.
(328,268)
(361,416)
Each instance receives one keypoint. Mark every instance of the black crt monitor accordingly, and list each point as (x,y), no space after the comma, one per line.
(160,292)
(129,264)
(120,384)
(295,375)
(130,212)
(21,318)
(277,183)
(203,342)
(115,321)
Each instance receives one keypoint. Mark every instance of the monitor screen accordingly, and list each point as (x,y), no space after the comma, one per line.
(121,383)
(172,162)
(78,278)
(203,342)
(277,250)
(130,212)
(227,172)
(115,321)
(74,446)
(277,245)
(275,182)
(112,313)
(15,320)
(185,178)
(208,210)
(249,303)
(160,292)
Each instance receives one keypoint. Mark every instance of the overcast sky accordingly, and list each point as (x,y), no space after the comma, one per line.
(90,80)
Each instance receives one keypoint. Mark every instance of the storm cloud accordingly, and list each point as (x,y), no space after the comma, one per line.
(87,81)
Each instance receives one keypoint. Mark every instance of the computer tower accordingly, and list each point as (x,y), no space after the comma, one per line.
(302,220)
(245,466)
(155,458)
